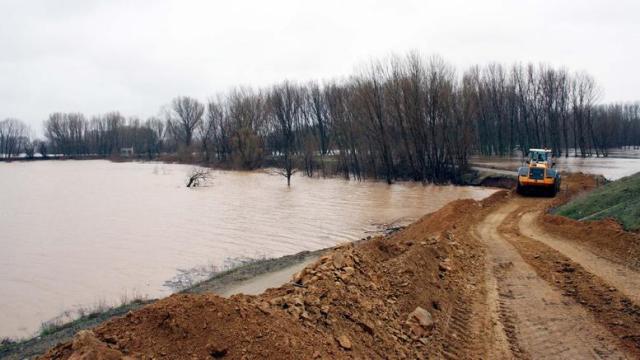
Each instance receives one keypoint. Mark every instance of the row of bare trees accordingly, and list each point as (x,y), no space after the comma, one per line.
(414,118)
(14,138)
(528,105)
(400,118)
(71,134)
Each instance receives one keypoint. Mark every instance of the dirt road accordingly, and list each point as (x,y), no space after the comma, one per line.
(538,319)
(498,278)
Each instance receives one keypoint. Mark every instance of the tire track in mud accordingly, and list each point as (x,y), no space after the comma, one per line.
(581,281)
(538,321)
(619,276)
(467,335)
(458,341)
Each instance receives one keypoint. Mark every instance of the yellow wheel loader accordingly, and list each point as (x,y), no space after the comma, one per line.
(538,176)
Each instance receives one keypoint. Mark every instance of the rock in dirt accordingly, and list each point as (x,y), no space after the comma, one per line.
(217,351)
(345,342)
(338,260)
(445,265)
(420,321)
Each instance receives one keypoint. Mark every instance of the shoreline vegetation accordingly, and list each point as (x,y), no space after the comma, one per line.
(471,177)
(405,117)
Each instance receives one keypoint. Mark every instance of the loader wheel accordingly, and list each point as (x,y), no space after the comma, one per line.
(522,190)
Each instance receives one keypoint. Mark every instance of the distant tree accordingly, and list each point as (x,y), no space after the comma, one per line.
(158,127)
(42,148)
(187,115)
(67,133)
(30,148)
(13,135)
(245,128)
(285,104)
(209,128)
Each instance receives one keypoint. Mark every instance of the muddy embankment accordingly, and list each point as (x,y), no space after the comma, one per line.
(251,278)
(355,301)
(496,278)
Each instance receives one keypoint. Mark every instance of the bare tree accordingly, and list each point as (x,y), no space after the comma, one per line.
(285,103)
(30,148)
(187,116)
(209,128)
(67,133)
(42,148)
(247,127)
(13,136)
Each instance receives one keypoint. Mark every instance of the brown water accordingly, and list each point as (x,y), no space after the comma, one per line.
(78,233)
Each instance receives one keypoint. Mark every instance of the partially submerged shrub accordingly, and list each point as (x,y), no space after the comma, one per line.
(198,177)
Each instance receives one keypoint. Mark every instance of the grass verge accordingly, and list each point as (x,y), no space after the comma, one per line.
(619,200)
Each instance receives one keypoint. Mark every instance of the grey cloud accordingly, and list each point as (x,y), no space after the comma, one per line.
(134,56)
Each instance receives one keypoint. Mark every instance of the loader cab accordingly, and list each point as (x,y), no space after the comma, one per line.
(540,156)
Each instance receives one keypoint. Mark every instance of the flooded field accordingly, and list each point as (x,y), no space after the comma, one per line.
(79,233)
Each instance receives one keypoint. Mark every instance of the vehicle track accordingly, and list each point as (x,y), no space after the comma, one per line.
(538,321)
(617,275)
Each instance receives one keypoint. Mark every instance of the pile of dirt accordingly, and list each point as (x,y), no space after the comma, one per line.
(402,295)
(605,237)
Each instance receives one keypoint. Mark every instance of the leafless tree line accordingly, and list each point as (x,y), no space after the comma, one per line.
(14,138)
(71,134)
(539,106)
(399,118)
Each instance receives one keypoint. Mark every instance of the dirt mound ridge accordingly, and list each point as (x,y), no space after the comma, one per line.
(391,297)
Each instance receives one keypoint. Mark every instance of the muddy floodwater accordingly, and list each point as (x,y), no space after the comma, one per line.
(78,234)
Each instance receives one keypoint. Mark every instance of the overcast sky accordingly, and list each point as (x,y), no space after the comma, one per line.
(135,56)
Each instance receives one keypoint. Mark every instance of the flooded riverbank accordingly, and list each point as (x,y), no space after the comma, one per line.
(77,233)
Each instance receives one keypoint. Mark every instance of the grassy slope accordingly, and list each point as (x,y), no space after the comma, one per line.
(619,199)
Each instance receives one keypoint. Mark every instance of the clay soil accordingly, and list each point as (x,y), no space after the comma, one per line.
(497,278)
